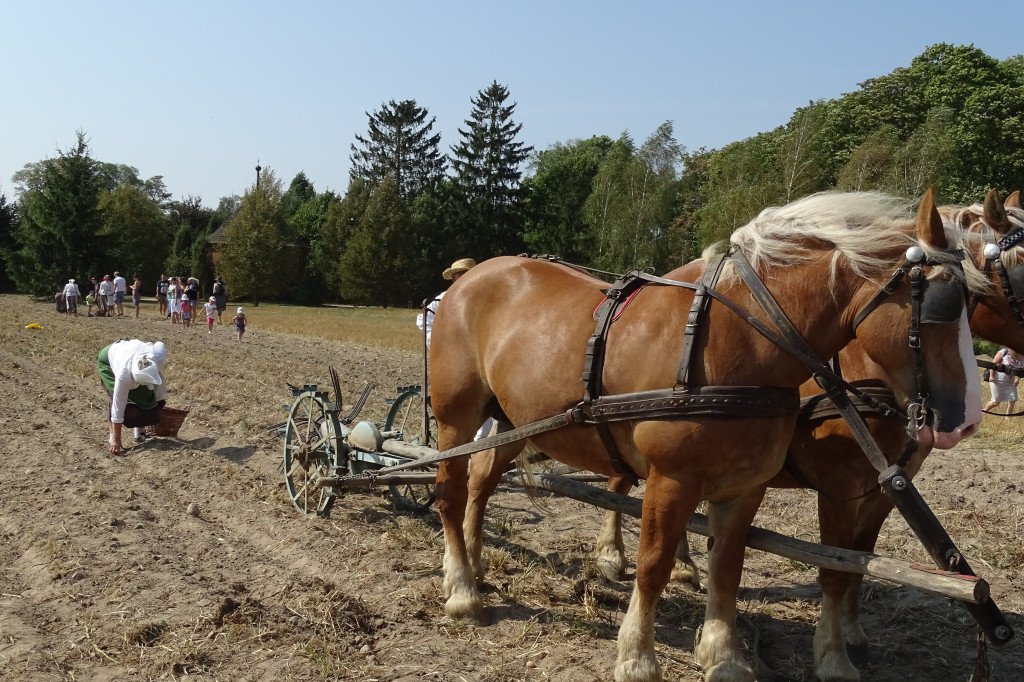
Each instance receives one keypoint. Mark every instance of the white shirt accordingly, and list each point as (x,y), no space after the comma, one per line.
(120,284)
(431,311)
(120,358)
(71,289)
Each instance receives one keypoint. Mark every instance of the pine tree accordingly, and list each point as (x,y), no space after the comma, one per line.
(400,145)
(487,181)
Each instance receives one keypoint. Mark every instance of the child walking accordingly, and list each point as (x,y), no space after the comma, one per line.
(239,320)
(136,294)
(186,311)
(211,313)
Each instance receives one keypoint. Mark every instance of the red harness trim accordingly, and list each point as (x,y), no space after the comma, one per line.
(622,307)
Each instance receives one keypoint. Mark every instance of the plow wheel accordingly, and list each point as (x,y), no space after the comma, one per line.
(310,451)
(406,415)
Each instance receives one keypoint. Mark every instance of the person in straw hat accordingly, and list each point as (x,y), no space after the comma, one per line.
(425,320)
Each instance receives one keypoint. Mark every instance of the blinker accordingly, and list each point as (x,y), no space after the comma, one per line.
(942,302)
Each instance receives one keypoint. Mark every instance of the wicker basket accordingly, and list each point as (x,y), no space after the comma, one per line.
(170,421)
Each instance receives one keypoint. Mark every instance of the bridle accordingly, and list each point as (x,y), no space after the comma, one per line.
(1010,279)
(931,302)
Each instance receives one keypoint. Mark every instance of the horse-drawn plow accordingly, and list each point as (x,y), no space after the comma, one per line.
(327,455)
(680,426)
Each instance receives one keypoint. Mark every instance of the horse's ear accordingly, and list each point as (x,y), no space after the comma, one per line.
(929,223)
(995,214)
(1013,201)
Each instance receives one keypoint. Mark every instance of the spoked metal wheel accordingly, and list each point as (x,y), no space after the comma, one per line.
(310,448)
(406,415)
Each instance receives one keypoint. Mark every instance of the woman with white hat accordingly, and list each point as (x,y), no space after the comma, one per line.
(132,374)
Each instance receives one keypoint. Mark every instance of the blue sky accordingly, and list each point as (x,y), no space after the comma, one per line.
(199,91)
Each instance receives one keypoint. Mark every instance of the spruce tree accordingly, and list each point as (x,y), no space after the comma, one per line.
(487,163)
(399,145)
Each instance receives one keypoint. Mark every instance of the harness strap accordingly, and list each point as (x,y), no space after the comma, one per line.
(620,293)
(701,302)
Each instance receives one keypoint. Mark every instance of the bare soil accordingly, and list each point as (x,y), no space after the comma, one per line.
(105,576)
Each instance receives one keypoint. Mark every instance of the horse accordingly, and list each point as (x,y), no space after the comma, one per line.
(509,340)
(824,455)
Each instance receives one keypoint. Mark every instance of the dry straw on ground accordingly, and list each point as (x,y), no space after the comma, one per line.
(106,578)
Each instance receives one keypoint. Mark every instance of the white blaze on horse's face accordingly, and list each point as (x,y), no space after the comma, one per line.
(928,437)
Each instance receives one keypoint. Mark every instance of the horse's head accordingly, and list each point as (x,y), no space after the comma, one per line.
(916,330)
(992,234)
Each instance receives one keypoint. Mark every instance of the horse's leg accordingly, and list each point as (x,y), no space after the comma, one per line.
(610,551)
(459,586)
(667,507)
(685,571)
(485,471)
(831,661)
(718,650)
(870,517)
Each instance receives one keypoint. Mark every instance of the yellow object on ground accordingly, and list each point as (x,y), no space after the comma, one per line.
(34,325)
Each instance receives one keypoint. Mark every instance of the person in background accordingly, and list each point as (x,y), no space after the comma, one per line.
(425,321)
(106,292)
(1003,385)
(220,294)
(131,372)
(120,289)
(211,311)
(71,294)
(192,289)
(161,294)
(90,299)
(186,311)
(136,293)
(174,293)
(239,322)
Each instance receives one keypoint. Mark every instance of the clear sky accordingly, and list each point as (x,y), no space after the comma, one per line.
(199,91)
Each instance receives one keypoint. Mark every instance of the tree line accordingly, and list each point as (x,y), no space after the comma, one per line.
(953,118)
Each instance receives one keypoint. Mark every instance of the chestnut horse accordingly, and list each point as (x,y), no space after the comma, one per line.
(509,340)
(826,457)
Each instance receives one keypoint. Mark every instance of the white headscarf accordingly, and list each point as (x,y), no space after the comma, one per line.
(147,362)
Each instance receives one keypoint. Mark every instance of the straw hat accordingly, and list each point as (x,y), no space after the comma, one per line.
(461,265)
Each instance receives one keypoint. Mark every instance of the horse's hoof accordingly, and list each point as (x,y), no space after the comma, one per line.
(638,670)
(464,607)
(730,671)
(686,574)
(611,570)
(860,654)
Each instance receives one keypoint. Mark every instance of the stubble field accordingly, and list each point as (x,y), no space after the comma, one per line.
(104,576)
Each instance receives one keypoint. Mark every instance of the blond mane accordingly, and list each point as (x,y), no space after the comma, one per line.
(864,229)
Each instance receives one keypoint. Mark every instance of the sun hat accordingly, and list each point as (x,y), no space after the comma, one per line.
(71,281)
(213,299)
(461,265)
(184,298)
(239,309)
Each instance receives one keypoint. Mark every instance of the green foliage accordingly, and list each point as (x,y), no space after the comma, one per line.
(319,275)
(57,236)
(487,184)
(380,251)
(259,255)
(399,145)
(558,189)
(633,201)
(8,222)
(133,226)
(299,192)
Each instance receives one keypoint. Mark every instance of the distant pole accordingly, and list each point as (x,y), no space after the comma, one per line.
(258,169)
